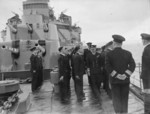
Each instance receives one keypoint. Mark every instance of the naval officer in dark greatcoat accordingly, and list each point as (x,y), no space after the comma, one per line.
(145,74)
(33,69)
(120,65)
(79,71)
(37,67)
(86,53)
(107,48)
(94,69)
(64,73)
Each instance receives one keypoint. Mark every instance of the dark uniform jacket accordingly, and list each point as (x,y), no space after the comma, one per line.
(63,65)
(95,63)
(119,60)
(33,61)
(146,63)
(86,53)
(36,63)
(78,65)
(103,54)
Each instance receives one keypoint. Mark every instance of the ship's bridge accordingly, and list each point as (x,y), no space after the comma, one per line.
(36,6)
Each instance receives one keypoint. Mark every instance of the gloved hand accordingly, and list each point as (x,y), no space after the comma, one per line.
(121,76)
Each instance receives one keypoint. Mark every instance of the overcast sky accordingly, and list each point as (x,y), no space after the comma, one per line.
(99,19)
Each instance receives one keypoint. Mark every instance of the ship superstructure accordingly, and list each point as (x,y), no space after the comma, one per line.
(38,25)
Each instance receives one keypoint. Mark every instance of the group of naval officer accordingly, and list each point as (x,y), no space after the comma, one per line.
(111,66)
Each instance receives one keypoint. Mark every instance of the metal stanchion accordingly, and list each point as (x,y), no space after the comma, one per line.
(3,77)
(141,86)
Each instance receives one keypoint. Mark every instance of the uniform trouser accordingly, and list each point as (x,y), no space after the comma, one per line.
(68,84)
(40,77)
(78,83)
(120,93)
(63,85)
(105,86)
(89,80)
(146,85)
(96,82)
(37,79)
(34,83)
(106,82)
(146,103)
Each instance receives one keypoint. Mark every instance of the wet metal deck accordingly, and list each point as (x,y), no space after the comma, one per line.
(46,102)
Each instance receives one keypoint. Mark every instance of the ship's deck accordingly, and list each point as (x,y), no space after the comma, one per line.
(46,102)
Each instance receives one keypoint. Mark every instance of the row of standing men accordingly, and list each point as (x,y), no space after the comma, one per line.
(112,66)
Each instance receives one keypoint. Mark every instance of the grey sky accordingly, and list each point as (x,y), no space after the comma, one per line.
(99,19)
